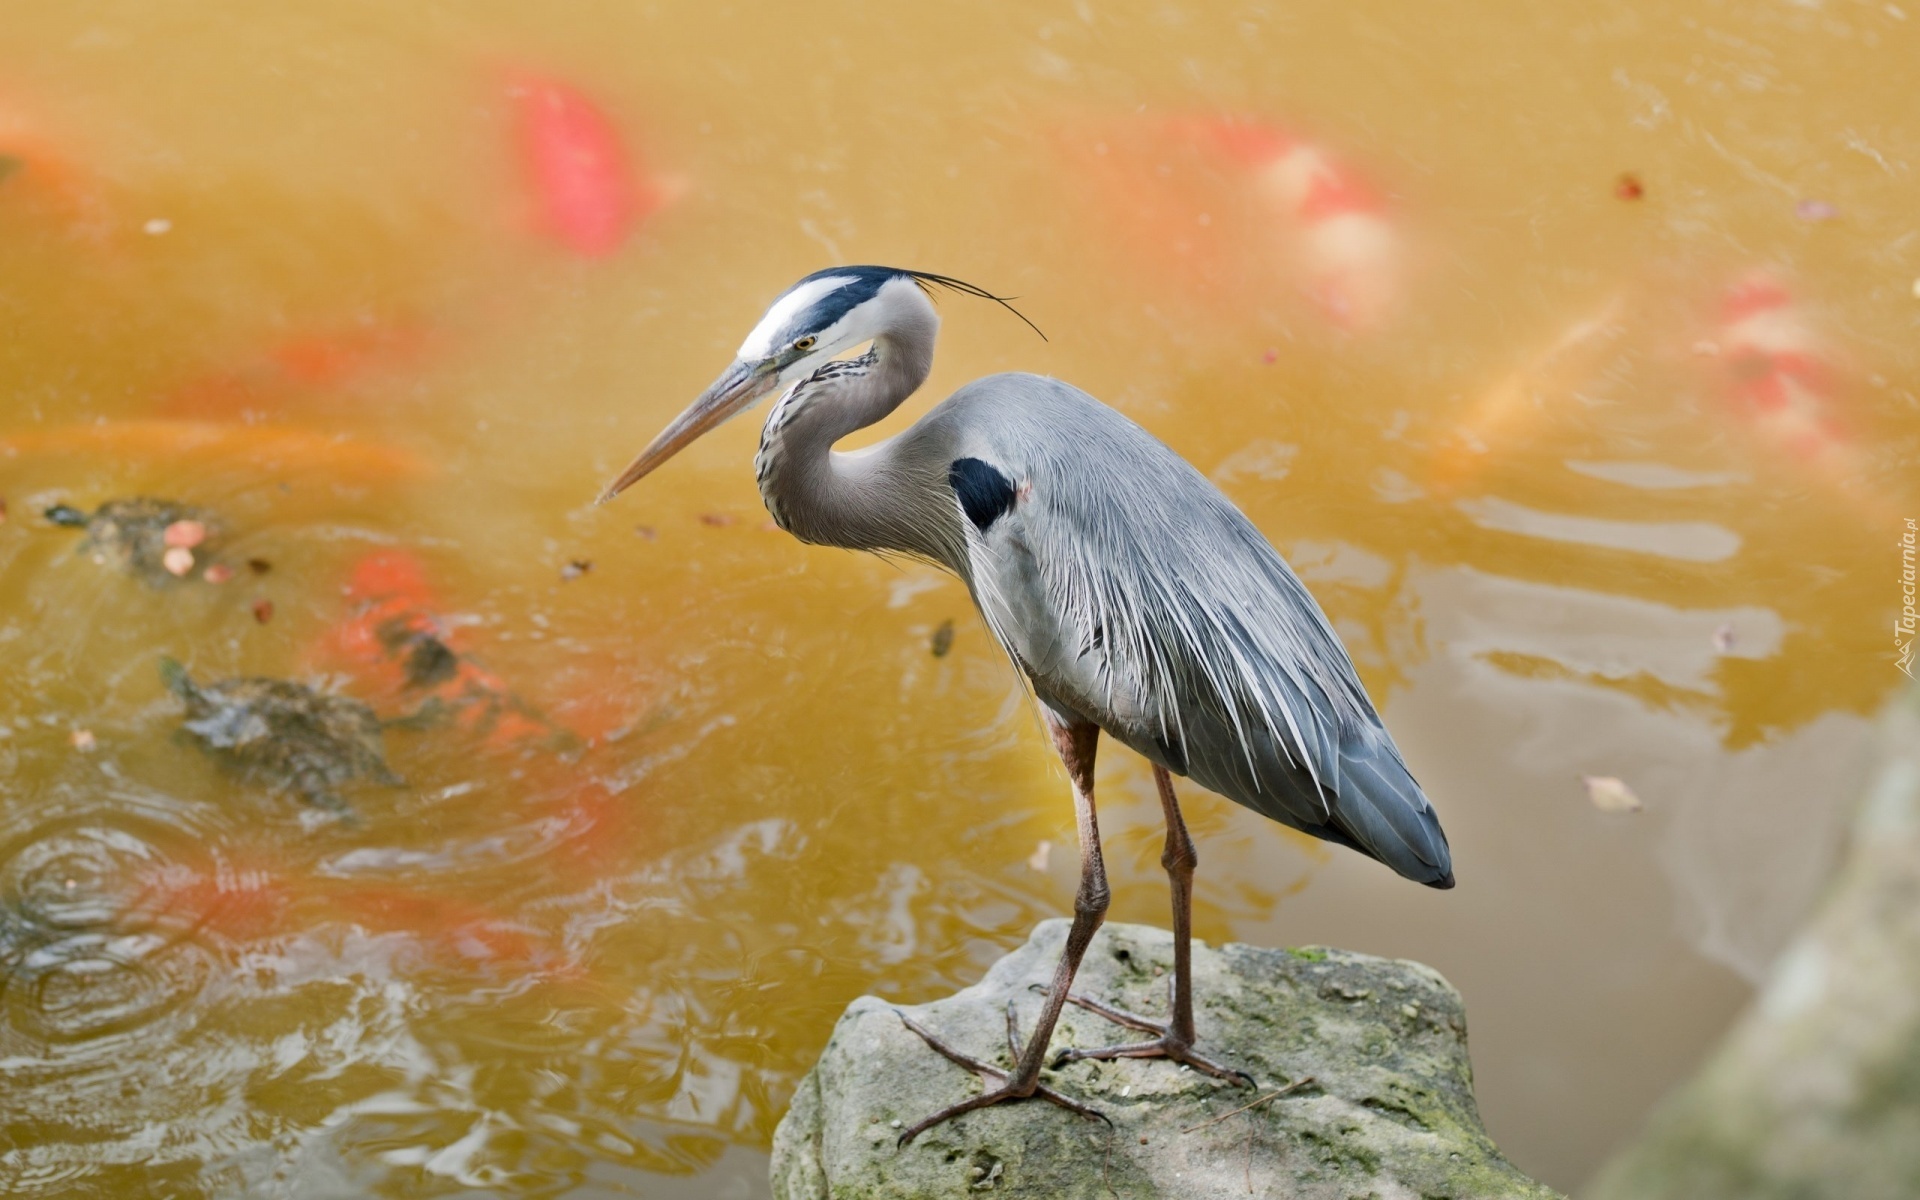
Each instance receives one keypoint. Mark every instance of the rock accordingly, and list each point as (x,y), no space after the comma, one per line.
(1816,1091)
(155,541)
(1389,1111)
(282,735)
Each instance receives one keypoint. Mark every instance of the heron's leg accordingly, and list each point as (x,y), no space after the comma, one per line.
(1176,1035)
(1076,744)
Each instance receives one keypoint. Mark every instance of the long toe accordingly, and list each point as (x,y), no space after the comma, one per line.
(990,1073)
(1119,1016)
(1001,1096)
(1160,1047)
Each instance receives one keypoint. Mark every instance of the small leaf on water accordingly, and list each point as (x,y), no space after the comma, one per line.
(263,611)
(1610,794)
(259,566)
(1628,187)
(943,638)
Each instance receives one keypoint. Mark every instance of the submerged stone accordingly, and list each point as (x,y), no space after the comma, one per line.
(156,541)
(282,735)
(1368,1055)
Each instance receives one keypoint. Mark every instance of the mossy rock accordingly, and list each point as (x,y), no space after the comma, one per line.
(1388,1114)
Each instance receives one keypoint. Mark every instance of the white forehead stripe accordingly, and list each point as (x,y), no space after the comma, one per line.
(761,342)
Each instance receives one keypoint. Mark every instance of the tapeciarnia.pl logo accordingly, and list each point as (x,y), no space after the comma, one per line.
(1903,625)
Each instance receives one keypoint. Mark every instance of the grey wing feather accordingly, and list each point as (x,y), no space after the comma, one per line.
(1134,594)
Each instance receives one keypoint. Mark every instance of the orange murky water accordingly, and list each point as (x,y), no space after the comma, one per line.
(1592,483)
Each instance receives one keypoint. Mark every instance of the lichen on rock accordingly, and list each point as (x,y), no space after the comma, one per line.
(1368,1057)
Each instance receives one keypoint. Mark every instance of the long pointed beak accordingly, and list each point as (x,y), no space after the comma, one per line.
(732,393)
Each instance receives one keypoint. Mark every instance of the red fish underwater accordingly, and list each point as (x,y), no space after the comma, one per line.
(264,900)
(296,371)
(1346,247)
(40,175)
(1234,205)
(400,651)
(404,656)
(1776,371)
(588,189)
(279,451)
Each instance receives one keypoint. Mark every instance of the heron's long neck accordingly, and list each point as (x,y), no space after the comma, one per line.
(867,499)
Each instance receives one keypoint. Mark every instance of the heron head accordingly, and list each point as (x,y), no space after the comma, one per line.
(824,315)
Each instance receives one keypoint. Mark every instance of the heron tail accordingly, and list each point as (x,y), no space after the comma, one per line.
(1381,807)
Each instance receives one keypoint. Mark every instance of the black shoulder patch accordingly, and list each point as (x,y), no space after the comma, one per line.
(985,494)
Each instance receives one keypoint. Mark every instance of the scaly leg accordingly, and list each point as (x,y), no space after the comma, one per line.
(1076,744)
(1176,1036)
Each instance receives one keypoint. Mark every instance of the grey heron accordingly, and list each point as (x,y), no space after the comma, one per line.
(1131,594)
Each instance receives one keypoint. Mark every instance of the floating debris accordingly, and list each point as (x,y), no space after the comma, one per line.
(82,739)
(282,735)
(575,569)
(150,538)
(1815,210)
(259,566)
(718,520)
(1723,638)
(263,611)
(157,226)
(1628,187)
(943,638)
(1609,794)
(185,532)
(1041,856)
(217,573)
(647,532)
(3,510)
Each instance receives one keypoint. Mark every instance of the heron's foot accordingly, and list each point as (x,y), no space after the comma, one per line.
(1164,1045)
(1009,1089)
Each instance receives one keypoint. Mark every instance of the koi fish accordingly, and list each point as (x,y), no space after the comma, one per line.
(259,901)
(1348,249)
(38,172)
(1231,205)
(1775,371)
(272,450)
(1503,412)
(588,195)
(327,359)
(396,647)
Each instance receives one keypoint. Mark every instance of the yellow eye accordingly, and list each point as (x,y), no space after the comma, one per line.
(805,343)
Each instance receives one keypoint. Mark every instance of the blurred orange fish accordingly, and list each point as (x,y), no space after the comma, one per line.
(1775,368)
(397,647)
(1505,412)
(262,900)
(1347,246)
(589,193)
(39,173)
(287,373)
(269,449)
(1232,204)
